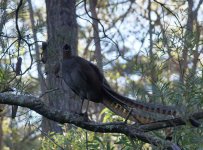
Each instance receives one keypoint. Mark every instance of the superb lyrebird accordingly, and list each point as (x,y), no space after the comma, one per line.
(85,79)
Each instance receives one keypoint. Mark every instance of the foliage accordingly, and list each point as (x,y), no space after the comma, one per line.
(153,54)
(75,138)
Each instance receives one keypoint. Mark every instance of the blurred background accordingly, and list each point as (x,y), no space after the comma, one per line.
(149,50)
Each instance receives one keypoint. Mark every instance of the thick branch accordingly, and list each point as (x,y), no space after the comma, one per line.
(38,106)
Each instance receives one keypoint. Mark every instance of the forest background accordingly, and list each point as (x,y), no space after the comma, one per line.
(147,49)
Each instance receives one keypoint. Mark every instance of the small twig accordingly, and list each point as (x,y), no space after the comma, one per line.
(163,5)
(17,13)
(20,37)
(47,136)
(103,30)
(48,91)
(8,48)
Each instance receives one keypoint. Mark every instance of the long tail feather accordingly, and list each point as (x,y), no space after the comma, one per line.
(148,107)
(124,112)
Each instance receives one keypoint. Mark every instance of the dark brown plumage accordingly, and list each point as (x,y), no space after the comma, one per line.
(85,79)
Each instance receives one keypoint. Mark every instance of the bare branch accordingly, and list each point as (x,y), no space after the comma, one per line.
(163,5)
(38,106)
(103,30)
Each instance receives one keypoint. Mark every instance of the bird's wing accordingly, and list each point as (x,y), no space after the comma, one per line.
(100,75)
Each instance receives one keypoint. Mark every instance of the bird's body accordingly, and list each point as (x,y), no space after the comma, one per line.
(81,77)
(85,79)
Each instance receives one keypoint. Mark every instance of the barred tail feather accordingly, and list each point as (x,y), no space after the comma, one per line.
(148,107)
(124,112)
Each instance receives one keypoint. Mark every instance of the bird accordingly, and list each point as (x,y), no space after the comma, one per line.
(86,80)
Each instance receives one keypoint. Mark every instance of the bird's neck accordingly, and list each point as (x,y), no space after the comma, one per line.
(66,55)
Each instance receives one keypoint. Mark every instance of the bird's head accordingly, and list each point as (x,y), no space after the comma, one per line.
(66,51)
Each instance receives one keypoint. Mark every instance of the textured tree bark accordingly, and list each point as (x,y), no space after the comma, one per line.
(197,29)
(153,72)
(1,133)
(37,49)
(187,46)
(3,19)
(62,28)
(98,55)
(129,130)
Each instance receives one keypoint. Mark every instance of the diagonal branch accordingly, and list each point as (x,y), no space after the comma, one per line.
(38,106)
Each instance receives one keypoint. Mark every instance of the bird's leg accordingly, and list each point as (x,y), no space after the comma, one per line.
(85,113)
(87,106)
(81,105)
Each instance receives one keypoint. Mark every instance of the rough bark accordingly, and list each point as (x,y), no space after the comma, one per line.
(133,131)
(198,30)
(153,70)
(37,49)
(62,28)
(3,19)
(98,55)
(187,40)
(1,133)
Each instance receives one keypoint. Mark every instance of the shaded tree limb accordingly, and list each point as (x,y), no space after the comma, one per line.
(178,121)
(129,130)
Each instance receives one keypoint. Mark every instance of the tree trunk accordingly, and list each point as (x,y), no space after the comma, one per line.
(39,64)
(98,55)
(153,70)
(1,133)
(62,28)
(3,20)
(187,42)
